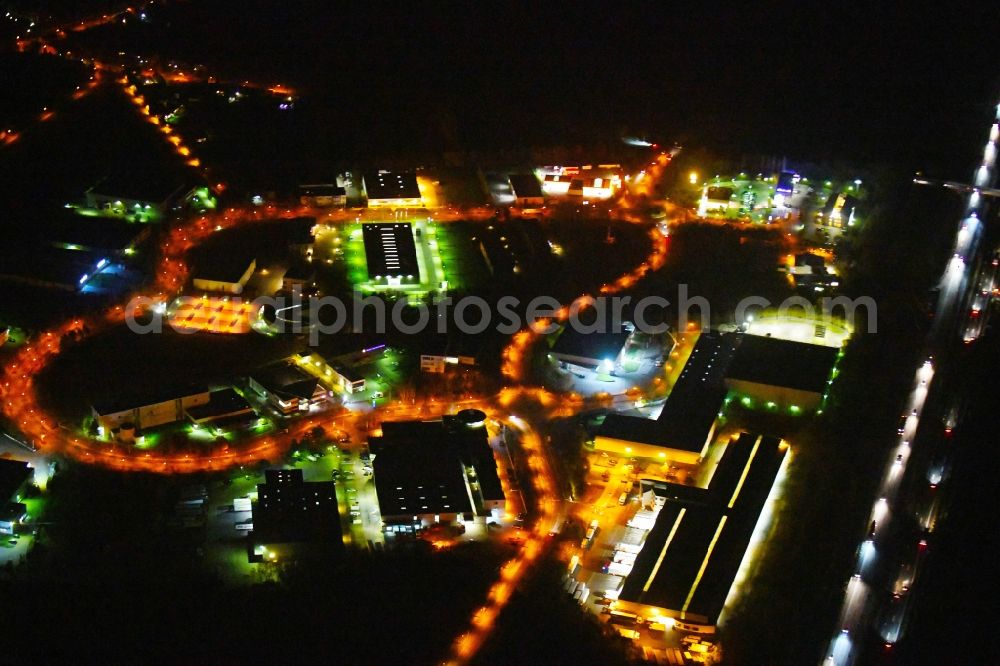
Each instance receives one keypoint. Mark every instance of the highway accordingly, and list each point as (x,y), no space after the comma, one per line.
(961,286)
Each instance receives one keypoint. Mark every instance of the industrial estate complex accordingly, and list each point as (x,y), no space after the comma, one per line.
(271,372)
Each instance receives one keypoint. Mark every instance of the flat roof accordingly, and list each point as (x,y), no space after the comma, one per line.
(693,404)
(291,510)
(138,186)
(595,346)
(110,234)
(396,185)
(692,555)
(286,379)
(121,403)
(222,403)
(223,267)
(776,362)
(525,185)
(390,249)
(42,263)
(418,466)
(13,474)
(322,190)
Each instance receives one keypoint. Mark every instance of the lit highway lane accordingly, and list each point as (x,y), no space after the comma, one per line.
(958,275)
(856,605)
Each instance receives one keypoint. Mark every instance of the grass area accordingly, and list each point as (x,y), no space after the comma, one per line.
(117,363)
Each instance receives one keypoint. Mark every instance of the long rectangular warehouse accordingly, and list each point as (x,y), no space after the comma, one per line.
(691,556)
(390,250)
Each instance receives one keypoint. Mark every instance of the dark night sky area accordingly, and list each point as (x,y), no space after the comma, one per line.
(910,83)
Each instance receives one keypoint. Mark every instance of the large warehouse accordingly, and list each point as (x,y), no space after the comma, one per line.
(428,472)
(686,426)
(692,555)
(782,373)
(391,252)
(293,518)
(148,411)
(392,190)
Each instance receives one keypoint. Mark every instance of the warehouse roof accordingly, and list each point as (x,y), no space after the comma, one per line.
(287,380)
(776,362)
(290,510)
(692,555)
(693,404)
(385,185)
(390,249)
(13,474)
(525,185)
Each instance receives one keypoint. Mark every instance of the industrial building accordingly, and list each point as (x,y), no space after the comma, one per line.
(338,374)
(99,236)
(391,252)
(429,472)
(134,197)
(527,191)
(392,190)
(691,556)
(686,426)
(590,351)
(293,518)
(225,274)
(323,195)
(126,416)
(15,478)
(759,370)
(443,353)
(224,407)
(783,374)
(288,388)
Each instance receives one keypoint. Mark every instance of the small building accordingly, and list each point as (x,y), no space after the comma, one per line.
(339,374)
(133,196)
(527,190)
(225,274)
(391,252)
(288,388)
(384,189)
(782,373)
(141,412)
(99,236)
(51,268)
(590,351)
(294,518)
(429,472)
(445,352)
(15,478)
(323,195)
(556,185)
(224,406)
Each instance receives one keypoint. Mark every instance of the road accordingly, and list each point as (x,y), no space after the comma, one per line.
(959,284)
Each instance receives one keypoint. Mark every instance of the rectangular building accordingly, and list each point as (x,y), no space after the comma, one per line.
(686,425)
(391,252)
(690,558)
(429,472)
(223,406)
(392,190)
(149,411)
(287,388)
(225,274)
(323,195)
(293,518)
(775,373)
